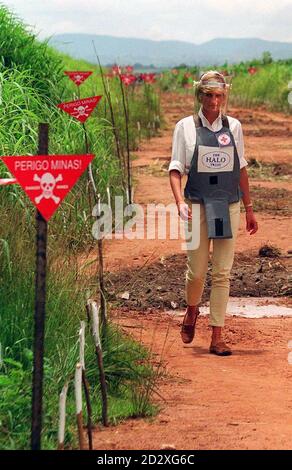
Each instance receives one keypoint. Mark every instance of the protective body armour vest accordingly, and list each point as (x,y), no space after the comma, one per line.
(214,176)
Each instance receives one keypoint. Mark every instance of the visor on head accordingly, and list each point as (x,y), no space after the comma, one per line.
(212,84)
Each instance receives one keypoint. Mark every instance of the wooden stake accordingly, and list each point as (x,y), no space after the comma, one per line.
(88,407)
(62,416)
(82,344)
(94,310)
(108,197)
(85,383)
(126,113)
(100,258)
(78,399)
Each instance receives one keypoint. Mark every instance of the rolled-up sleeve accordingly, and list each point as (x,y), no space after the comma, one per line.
(178,157)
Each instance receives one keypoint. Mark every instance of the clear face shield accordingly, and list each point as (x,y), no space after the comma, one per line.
(212,85)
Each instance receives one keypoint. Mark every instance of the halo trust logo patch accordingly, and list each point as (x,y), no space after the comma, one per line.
(216,160)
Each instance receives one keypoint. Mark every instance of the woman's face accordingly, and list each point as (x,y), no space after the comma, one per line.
(212,101)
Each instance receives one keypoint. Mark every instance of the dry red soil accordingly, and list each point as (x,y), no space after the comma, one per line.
(207,402)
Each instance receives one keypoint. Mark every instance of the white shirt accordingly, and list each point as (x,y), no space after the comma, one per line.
(184,140)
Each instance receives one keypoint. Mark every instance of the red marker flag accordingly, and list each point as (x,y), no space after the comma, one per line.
(6,181)
(47,179)
(78,77)
(128,79)
(80,109)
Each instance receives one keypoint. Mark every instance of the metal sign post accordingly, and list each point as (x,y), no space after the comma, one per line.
(40,303)
(40,177)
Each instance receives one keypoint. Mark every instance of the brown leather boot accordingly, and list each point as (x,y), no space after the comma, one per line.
(188,330)
(220,349)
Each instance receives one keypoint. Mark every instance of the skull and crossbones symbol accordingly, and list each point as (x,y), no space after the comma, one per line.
(80,111)
(78,79)
(47,185)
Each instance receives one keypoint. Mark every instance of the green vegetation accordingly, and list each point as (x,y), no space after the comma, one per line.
(32,84)
(254,83)
(20,50)
(268,86)
(179,79)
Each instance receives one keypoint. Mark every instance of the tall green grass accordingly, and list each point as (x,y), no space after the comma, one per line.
(19,49)
(23,108)
(32,84)
(268,87)
(125,362)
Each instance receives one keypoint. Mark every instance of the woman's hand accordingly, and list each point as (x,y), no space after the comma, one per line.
(251,223)
(184,211)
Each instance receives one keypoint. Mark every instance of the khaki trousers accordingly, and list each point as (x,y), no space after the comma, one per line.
(222,261)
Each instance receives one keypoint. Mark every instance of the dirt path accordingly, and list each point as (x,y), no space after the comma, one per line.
(239,402)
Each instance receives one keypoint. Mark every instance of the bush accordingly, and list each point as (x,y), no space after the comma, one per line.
(19,49)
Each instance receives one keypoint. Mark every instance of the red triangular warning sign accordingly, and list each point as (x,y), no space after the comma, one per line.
(80,109)
(78,77)
(47,179)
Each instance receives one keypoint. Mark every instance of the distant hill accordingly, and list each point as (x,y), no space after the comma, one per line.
(166,53)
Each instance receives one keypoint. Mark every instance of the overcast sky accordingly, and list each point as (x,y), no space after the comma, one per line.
(194,21)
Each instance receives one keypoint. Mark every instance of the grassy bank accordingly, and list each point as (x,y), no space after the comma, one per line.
(32,84)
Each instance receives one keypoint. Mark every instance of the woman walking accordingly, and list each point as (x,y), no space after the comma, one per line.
(209,148)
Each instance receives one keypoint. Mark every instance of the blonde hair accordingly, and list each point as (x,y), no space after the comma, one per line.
(209,82)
